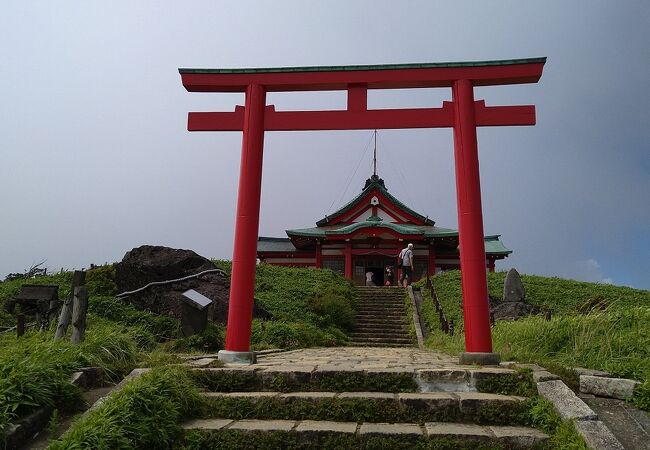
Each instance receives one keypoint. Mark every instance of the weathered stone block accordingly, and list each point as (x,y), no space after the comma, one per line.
(471,403)
(620,388)
(402,431)
(314,397)
(457,430)
(597,435)
(206,424)
(316,428)
(567,404)
(519,437)
(369,396)
(544,375)
(427,401)
(263,425)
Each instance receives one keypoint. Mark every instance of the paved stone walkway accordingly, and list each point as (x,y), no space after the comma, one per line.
(360,358)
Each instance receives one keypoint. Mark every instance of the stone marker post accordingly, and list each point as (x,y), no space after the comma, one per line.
(79,310)
(65,316)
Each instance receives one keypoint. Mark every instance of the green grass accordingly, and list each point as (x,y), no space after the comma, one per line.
(616,340)
(560,296)
(35,370)
(145,414)
(310,307)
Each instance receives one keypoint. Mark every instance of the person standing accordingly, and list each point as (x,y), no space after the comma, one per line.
(406,256)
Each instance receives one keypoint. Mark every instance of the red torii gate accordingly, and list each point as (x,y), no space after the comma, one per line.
(463,114)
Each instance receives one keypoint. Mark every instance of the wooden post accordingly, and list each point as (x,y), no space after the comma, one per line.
(78,279)
(79,309)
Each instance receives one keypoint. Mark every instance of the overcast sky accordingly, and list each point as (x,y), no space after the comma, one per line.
(95,158)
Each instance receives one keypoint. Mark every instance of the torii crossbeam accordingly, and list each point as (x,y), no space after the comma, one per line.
(463,114)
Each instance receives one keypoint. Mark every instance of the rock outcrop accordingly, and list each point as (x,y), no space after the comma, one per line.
(148,263)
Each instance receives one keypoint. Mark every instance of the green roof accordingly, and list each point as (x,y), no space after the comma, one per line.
(425,230)
(504,62)
(372,183)
(493,246)
(272,244)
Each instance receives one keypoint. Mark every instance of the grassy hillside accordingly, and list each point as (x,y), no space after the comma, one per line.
(616,339)
(311,308)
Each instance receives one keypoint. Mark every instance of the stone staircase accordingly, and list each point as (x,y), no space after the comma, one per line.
(359,398)
(381,318)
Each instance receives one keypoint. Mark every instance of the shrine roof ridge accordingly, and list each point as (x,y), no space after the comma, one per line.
(503,62)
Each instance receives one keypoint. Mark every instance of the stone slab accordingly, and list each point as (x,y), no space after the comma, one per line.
(489,372)
(202,362)
(566,403)
(369,395)
(544,375)
(395,430)
(480,358)
(263,425)
(592,372)
(472,402)
(423,401)
(518,437)
(630,425)
(597,435)
(310,396)
(206,424)
(249,395)
(325,427)
(458,430)
(230,357)
(620,388)
(293,375)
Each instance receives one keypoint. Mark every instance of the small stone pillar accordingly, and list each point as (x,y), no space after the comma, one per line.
(194,312)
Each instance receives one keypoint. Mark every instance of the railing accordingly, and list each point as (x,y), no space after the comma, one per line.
(447,326)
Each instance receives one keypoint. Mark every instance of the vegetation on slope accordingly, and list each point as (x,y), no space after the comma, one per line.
(145,414)
(310,307)
(616,339)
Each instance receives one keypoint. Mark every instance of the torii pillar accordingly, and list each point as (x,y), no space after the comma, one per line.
(463,114)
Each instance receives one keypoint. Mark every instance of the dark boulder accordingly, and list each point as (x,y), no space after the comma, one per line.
(147,264)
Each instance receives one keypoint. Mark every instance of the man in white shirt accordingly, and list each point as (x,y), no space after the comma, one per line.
(406,255)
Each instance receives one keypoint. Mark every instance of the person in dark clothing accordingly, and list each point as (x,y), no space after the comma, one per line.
(389,276)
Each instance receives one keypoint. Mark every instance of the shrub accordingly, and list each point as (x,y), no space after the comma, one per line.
(334,305)
(291,335)
(161,327)
(209,340)
(101,280)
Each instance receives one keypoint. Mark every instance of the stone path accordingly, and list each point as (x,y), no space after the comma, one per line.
(408,358)
(630,425)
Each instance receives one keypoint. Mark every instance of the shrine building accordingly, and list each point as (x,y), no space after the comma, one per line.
(367,234)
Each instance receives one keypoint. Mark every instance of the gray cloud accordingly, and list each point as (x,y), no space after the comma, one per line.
(95,157)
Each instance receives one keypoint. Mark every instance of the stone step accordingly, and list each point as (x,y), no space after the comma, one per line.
(381,313)
(311,377)
(421,407)
(357,335)
(315,433)
(392,340)
(380,305)
(380,328)
(379,344)
(387,320)
(380,302)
